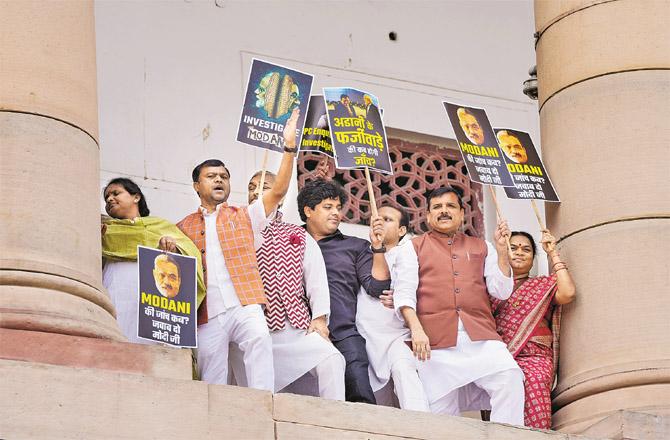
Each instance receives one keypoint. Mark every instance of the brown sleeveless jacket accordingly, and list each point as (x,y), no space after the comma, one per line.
(452,285)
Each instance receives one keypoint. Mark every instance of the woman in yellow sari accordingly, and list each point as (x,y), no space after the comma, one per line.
(129,226)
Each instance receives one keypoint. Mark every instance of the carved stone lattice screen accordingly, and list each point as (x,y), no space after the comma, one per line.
(418,169)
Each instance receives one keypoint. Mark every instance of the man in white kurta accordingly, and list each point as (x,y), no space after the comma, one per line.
(385,334)
(445,304)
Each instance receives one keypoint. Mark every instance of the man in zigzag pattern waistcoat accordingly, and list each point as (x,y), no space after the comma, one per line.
(228,238)
(298,308)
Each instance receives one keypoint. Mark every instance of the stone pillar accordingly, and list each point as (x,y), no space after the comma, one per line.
(50,274)
(604,96)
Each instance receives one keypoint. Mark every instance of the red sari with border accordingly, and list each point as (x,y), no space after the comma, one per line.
(529,324)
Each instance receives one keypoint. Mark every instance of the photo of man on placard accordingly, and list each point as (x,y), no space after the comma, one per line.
(470,125)
(277,94)
(512,147)
(343,108)
(167,275)
(166,298)
(372,112)
(531,180)
(273,92)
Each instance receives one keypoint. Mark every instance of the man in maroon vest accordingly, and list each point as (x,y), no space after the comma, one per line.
(298,308)
(446,307)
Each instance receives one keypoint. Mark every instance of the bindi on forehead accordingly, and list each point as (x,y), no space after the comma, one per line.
(520,241)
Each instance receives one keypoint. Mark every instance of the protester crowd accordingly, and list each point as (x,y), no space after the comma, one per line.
(455,323)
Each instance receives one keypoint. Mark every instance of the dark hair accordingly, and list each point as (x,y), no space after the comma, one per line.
(404,215)
(195,175)
(343,95)
(133,190)
(316,191)
(442,190)
(528,236)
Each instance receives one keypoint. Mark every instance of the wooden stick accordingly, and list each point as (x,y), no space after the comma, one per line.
(495,201)
(499,215)
(261,184)
(371,194)
(537,214)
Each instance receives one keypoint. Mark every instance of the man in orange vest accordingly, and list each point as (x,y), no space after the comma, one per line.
(228,238)
(444,299)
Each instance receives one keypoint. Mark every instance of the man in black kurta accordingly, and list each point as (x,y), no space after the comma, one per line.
(351,263)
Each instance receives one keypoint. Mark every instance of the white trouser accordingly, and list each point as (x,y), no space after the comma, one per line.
(245,326)
(505,389)
(330,376)
(406,382)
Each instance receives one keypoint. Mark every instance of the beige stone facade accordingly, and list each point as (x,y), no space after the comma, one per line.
(604,95)
(50,260)
(47,402)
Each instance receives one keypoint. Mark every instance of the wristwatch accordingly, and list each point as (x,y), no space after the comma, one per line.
(291,150)
(381,250)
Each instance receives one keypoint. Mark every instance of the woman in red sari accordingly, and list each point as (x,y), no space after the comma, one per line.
(529,321)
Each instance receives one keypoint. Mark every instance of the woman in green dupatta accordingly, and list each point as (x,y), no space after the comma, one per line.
(129,226)
(529,321)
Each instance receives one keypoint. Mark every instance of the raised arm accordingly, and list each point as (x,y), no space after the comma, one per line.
(380,269)
(274,196)
(566,290)
(501,235)
(364,264)
(498,283)
(371,268)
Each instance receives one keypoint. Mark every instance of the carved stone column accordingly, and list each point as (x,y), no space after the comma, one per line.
(604,96)
(50,277)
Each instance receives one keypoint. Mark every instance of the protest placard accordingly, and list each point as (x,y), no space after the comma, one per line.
(316,133)
(167,297)
(358,134)
(477,142)
(273,91)
(530,178)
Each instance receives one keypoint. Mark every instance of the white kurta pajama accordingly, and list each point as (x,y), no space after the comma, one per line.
(229,321)
(385,336)
(487,364)
(297,353)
